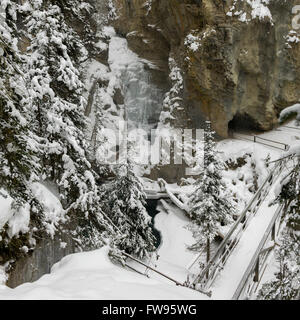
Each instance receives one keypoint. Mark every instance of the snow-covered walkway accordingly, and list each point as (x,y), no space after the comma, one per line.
(229,278)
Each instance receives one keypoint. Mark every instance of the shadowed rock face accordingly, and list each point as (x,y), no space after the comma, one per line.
(239,68)
(39,262)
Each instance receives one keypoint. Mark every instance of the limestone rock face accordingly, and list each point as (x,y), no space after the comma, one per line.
(240,63)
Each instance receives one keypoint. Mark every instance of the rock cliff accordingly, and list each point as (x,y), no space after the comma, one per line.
(239,59)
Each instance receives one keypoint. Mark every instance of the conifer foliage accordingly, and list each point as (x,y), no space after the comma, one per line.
(286,285)
(17,158)
(290,195)
(42,112)
(124,202)
(210,204)
(58,108)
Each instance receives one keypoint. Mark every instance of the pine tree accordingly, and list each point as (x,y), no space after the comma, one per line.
(210,206)
(18,163)
(286,285)
(54,58)
(290,195)
(124,202)
(100,142)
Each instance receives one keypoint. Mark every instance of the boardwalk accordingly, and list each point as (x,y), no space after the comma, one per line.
(229,278)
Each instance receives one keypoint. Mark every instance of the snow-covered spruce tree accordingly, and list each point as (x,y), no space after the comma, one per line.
(124,202)
(210,203)
(18,163)
(58,120)
(100,142)
(290,195)
(286,285)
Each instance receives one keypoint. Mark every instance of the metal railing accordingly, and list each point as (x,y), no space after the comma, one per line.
(219,259)
(297,128)
(252,276)
(148,267)
(264,141)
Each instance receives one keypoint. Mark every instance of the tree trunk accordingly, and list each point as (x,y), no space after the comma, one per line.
(207,250)
(207,254)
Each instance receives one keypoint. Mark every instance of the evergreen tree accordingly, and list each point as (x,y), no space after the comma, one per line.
(58,121)
(210,206)
(124,202)
(286,285)
(100,142)
(18,163)
(290,195)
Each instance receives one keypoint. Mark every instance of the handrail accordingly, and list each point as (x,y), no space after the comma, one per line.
(147,266)
(258,137)
(226,240)
(164,275)
(292,127)
(256,255)
(254,138)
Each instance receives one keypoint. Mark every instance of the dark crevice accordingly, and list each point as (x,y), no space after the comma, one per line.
(152,211)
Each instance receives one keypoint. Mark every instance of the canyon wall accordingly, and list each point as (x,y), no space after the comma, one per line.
(239,59)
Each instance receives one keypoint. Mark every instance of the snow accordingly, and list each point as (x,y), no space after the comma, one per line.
(258,10)
(174,258)
(148,5)
(173,252)
(294,109)
(91,275)
(19,222)
(172,98)
(193,42)
(292,37)
(242,179)
(53,210)
(229,278)
(176,201)
(3,276)
(5,207)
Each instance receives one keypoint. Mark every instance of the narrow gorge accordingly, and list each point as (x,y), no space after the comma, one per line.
(145,64)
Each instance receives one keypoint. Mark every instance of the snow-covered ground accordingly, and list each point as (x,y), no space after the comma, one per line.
(91,275)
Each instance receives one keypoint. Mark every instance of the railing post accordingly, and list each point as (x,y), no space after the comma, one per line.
(256,276)
(274,232)
(254,138)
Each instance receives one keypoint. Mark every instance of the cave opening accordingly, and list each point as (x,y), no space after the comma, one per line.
(242,122)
